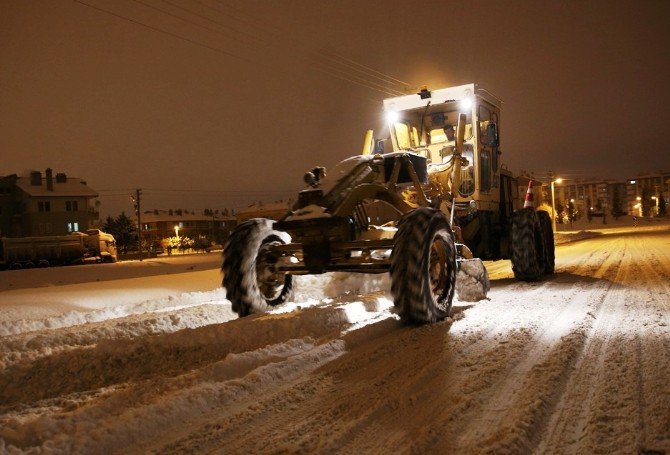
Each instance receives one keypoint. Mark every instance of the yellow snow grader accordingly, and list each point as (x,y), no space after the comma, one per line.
(451,204)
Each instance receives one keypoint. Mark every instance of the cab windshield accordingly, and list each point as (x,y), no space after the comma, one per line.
(425,126)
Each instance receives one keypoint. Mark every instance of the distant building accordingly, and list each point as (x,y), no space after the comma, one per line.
(599,195)
(160,224)
(658,184)
(603,193)
(45,205)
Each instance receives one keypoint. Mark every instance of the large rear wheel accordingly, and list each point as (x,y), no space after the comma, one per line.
(548,234)
(528,245)
(423,266)
(249,268)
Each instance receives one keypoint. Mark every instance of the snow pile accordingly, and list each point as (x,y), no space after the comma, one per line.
(472,281)
(113,427)
(110,311)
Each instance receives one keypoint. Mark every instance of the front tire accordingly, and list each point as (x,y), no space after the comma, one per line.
(528,246)
(249,275)
(423,266)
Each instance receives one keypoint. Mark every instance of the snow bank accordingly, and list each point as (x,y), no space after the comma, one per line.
(111,310)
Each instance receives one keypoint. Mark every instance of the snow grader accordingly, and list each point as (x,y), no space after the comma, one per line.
(451,201)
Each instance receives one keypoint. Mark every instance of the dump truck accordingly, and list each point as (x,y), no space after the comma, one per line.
(453,203)
(92,246)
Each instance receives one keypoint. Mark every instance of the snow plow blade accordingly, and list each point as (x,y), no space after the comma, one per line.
(472,280)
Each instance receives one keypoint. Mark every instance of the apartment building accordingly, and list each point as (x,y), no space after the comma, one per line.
(160,224)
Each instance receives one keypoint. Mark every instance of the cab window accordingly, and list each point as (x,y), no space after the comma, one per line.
(467,186)
(405,136)
(487,117)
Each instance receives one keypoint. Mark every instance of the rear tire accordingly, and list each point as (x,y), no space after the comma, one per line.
(528,245)
(252,284)
(423,266)
(549,248)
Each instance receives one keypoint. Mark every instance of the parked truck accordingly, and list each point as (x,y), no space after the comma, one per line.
(440,171)
(92,246)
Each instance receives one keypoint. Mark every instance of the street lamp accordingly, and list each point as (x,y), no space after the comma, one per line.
(553,203)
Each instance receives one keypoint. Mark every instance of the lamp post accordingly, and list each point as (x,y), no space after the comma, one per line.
(570,212)
(553,203)
(655,198)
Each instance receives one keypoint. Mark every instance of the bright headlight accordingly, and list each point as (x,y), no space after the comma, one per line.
(466,104)
(392,116)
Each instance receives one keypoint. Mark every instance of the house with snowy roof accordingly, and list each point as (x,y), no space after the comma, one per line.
(40,205)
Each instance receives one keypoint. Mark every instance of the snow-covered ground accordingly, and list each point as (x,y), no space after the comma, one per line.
(148,357)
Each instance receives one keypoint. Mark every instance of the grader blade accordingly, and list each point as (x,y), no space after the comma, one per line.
(472,280)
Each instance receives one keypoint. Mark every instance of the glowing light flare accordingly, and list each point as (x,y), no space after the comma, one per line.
(466,104)
(392,116)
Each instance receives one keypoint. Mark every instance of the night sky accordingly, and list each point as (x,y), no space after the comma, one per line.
(214,104)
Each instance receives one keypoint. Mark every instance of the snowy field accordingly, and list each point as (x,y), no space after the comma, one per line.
(148,358)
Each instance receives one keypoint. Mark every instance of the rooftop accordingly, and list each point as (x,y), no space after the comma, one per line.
(72,186)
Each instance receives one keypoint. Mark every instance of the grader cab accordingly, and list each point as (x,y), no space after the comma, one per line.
(451,203)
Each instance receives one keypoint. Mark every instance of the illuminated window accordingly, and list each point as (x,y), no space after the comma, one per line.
(402,135)
(467,186)
(437,135)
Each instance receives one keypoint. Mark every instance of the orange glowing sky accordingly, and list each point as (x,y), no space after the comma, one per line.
(208,103)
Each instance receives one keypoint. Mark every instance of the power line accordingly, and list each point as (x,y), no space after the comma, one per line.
(208,19)
(353,82)
(194,42)
(324,52)
(166,32)
(361,81)
(155,8)
(404,84)
(331,56)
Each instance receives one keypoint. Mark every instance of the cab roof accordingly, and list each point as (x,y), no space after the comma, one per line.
(443,95)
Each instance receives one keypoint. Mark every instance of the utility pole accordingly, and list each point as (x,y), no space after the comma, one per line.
(138,193)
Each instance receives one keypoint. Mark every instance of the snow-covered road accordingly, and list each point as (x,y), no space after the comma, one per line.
(576,364)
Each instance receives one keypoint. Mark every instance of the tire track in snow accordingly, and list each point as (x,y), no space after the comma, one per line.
(555,343)
(605,408)
(553,418)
